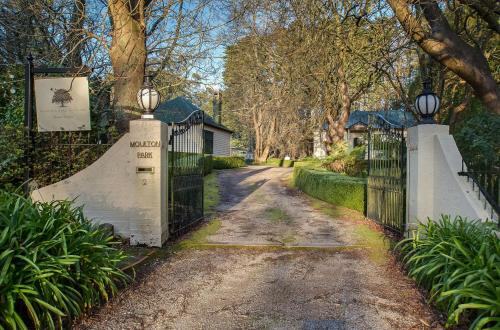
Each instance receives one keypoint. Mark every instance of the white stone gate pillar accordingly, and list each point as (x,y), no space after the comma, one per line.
(433,186)
(149,161)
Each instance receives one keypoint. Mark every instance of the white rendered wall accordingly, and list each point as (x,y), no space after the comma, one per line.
(433,184)
(112,191)
(222,141)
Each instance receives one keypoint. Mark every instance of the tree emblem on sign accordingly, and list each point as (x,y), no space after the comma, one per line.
(61,96)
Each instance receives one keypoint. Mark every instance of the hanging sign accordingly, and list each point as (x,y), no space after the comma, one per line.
(62,104)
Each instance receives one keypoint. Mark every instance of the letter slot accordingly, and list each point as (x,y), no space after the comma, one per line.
(150,170)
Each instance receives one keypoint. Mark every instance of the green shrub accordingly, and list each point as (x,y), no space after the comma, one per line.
(356,163)
(331,187)
(459,263)
(477,139)
(54,263)
(351,163)
(12,164)
(220,162)
(208,164)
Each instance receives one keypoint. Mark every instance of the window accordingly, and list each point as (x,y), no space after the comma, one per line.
(208,140)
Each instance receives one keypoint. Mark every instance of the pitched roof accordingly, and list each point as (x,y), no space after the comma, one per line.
(178,109)
(397,118)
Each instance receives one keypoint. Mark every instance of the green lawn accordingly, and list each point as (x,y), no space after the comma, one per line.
(211,194)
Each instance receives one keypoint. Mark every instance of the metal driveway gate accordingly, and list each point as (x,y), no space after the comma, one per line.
(386,191)
(185,188)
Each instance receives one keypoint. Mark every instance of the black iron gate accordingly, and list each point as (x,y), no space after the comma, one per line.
(186,173)
(386,191)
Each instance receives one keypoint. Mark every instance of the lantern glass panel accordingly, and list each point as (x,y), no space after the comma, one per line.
(438,103)
(420,104)
(427,104)
(148,98)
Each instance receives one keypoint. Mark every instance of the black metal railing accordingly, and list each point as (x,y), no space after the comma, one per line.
(485,180)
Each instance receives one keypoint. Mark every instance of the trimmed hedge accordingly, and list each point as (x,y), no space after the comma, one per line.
(310,164)
(221,163)
(331,187)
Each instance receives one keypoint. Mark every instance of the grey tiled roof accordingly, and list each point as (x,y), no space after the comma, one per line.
(397,118)
(178,109)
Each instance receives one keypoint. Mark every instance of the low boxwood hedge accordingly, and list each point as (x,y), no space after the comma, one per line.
(221,162)
(331,187)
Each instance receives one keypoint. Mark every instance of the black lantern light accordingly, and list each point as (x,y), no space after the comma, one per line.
(427,104)
(148,98)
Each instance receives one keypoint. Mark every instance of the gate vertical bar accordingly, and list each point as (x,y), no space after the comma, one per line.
(172,175)
(28,121)
(202,151)
(403,180)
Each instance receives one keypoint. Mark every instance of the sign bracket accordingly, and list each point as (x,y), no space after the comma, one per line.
(29,74)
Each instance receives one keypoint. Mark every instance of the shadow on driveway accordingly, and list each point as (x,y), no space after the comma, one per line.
(233,188)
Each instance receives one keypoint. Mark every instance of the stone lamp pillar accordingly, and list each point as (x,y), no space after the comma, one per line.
(149,162)
(433,186)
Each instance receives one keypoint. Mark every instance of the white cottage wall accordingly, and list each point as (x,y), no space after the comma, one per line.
(222,141)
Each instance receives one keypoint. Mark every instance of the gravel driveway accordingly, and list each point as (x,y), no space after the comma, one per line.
(279,260)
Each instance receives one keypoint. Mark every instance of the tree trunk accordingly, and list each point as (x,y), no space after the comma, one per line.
(262,156)
(258,136)
(336,128)
(262,140)
(128,55)
(444,45)
(345,106)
